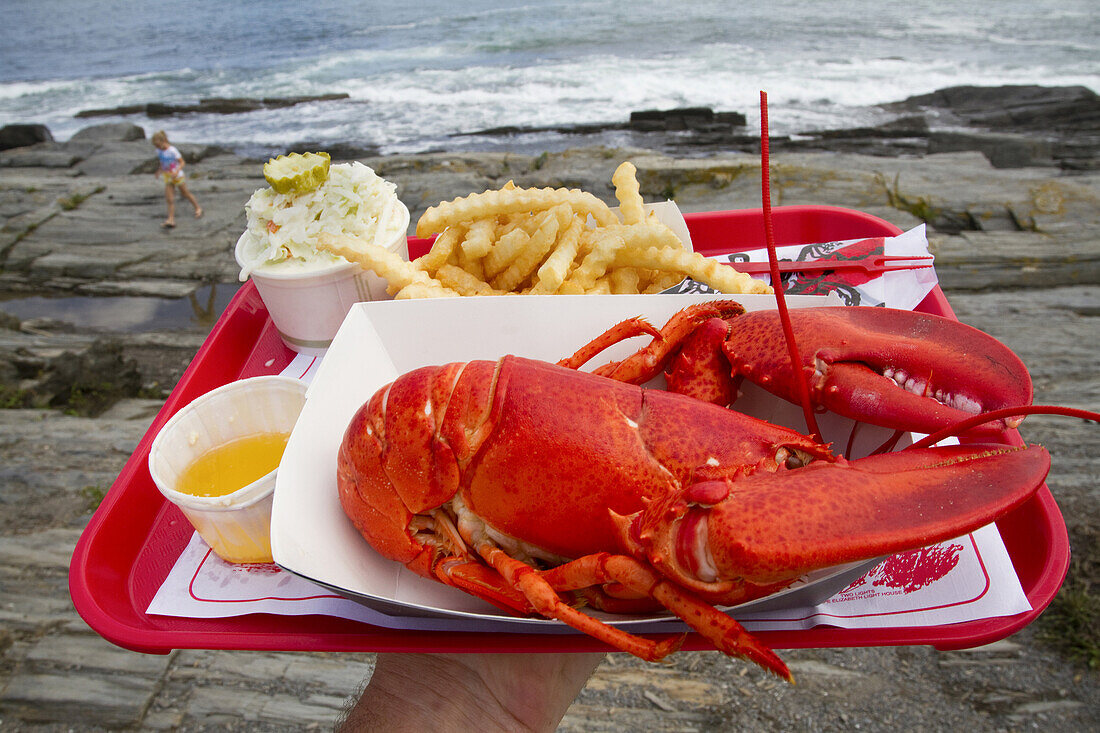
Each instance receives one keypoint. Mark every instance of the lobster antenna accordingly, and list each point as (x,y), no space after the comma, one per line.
(777,280)
(963,425)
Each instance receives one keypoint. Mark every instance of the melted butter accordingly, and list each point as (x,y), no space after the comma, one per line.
(233,466)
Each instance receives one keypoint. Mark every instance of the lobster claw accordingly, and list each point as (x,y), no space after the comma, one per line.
(723,539)
(895,368)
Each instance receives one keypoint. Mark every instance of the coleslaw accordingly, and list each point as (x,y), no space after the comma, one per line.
(282,228)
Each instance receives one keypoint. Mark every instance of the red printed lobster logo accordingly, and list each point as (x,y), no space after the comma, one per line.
(825,281)
(913,570)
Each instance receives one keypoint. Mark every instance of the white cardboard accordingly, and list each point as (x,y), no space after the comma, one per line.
(311,535)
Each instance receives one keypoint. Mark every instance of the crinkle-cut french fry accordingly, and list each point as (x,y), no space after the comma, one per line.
(625,180)
(390,267)
(570,287)
(645,278)
(463,282)
(479,238)
(531,255)
(566,216)
(555,269)
(531,222)
(663,281)
(508,222)
(652,218)
(606,243)
(526,221)
(429,289)
(721,277)
(602,287)
(493,203)
(442,248)
(584,246)
(506,249)
(471,265)
(624,281)
(650,234)
(562,212)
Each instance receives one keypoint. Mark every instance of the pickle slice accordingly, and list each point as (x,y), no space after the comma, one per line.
(297,173)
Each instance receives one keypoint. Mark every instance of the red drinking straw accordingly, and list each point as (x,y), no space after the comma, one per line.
(777,281)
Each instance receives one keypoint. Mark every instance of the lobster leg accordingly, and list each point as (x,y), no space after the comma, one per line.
(619,332)
(701,370)
(485,583)
(648,362)
(724,632)
(547,603)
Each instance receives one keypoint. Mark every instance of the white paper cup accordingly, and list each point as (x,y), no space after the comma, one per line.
(308,307)
(237,526)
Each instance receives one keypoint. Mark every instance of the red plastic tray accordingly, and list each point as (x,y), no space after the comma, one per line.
(135,537)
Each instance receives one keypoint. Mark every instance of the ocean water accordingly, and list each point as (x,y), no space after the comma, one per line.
(419,73)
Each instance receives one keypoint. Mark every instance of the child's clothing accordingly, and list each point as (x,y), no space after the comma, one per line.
(171,165)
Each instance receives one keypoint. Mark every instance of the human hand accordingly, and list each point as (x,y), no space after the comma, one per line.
(483,692)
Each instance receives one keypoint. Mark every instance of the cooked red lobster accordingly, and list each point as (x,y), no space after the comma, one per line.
(535,486)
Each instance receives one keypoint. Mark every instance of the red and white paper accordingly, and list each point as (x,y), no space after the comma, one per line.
(966,579)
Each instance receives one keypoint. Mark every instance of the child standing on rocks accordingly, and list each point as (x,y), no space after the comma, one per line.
(171,171)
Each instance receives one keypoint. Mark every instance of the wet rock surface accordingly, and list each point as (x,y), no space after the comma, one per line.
(1017,253)
(1014,126)
(211,105)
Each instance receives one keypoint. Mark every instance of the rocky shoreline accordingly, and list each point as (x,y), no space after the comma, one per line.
(1013,216)
(1013,127)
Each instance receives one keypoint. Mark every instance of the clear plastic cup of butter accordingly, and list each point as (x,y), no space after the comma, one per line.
(216,459)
